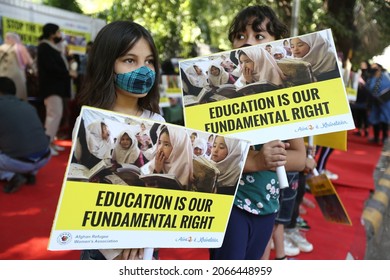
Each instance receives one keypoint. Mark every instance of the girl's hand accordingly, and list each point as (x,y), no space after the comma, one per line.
(159,161)
(274,154)
(247,73)
(131,254)
(271,155)
(309,165)
(290,154)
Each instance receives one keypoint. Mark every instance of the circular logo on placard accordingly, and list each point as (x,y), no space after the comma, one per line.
(64,238)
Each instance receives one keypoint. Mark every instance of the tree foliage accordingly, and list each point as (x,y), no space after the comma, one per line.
(360,27)
(69,5)
(183,28)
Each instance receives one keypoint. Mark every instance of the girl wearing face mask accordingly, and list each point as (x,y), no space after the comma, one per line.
(122,76)
(122,72)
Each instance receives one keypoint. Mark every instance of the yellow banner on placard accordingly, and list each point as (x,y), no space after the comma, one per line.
(335,140)
(92,206)
(270,109)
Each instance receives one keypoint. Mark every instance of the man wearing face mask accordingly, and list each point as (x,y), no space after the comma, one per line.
(54,79)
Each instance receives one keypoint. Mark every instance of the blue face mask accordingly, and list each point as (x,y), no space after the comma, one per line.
(139,81)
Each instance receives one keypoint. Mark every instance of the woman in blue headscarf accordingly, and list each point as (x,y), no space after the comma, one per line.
(379,111)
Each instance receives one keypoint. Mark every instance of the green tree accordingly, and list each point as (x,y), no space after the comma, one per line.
(372,21)
(361,28)
(164,19)
(69,5)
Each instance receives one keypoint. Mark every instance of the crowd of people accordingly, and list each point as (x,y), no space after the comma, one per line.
(120,72)
(371,108)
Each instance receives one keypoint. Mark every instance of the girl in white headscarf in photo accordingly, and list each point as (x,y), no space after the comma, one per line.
(196,76)
(98,140)
(174,154)
(279,52)
(256,64)
(217,75)
(126,150)
(318,51)
(200,147)
(227,155)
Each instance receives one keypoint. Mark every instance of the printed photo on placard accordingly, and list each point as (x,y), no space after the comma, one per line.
(144,183)
(287,89)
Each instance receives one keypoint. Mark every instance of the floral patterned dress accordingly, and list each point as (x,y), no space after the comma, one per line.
(258,192)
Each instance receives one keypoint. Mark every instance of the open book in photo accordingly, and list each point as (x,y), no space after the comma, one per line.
(79,172)
(257,87)
(229,91)
(205,175)
(129,167)
(114,179)
(297,72)
(130,173)
(164,181)
(223,92)
(197,99)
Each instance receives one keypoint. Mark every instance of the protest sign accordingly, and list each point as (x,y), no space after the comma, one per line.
(30,32)
(250,94)
(328,199)
(335,140)
(123,196)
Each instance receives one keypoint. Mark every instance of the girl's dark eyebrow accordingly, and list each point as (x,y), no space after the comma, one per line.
(135,55)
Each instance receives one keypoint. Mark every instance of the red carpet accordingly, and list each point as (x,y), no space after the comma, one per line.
(356,166)
(26,216)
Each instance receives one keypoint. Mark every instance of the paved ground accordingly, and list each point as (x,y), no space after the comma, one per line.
(378,248)
(378,236)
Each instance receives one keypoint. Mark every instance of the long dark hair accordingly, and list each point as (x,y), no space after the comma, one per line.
(260,12)
(113,41)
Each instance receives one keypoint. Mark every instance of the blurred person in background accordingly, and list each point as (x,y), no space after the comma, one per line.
(359,108)
(54,80)
(24,146)
(379,112)
(14,58)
